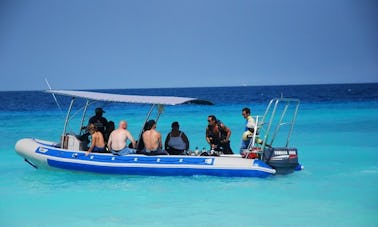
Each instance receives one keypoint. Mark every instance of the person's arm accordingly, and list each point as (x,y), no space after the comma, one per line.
(167,141)
(209,140)
(159,140)
(110,142)
(93,142)
(186,140)
(207,136)
(228,133)
(131,138)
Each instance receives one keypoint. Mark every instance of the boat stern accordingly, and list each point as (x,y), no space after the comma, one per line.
(283,159)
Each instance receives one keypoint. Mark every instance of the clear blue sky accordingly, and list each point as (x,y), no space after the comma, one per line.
(90,44)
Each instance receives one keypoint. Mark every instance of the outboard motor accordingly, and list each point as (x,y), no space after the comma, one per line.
(282,159)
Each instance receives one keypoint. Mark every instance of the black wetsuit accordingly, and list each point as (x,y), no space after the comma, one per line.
(218,137)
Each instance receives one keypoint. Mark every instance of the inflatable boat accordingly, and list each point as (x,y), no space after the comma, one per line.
(70,154)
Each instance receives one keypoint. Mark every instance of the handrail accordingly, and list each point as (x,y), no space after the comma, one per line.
(84,113)
(279,124)
(269,120)
(293,122)
(253,139)
(66,121)
(145,121)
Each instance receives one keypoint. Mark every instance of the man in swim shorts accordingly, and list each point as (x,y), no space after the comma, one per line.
(152,139)
(97,143)
(117,142)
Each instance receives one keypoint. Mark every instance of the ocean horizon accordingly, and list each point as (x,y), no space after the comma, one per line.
(335,134)
(218,86)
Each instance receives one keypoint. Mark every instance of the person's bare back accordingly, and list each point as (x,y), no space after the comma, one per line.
(152,140)
(118,138)
(98,139)
(97,143)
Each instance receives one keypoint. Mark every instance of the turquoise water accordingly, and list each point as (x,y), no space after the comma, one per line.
(337,143)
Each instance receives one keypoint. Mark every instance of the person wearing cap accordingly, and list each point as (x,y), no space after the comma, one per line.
(98,120)
(176,142)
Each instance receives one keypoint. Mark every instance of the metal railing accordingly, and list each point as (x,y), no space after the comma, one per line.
(279,112)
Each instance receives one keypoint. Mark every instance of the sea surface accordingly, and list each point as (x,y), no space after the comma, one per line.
(336,134)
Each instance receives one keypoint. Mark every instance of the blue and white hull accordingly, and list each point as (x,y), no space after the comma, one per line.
(45,154)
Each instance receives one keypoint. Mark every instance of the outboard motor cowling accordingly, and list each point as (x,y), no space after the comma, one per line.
(282,159)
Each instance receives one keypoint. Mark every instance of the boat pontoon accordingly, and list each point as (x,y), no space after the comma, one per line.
(69,152)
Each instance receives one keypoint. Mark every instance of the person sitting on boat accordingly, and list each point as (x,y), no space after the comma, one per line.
(108,129)
(152,139)
(218,135)
(176,142)
(117,142)
(97,142)
(98,120)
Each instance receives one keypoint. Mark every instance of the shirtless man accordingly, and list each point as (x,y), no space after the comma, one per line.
(152,138)
(117,142)
(97,143)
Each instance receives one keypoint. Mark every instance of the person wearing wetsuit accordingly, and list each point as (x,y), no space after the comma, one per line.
(218,135)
